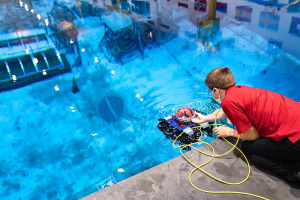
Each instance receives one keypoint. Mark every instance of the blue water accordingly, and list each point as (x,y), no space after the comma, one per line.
(65,153)
(53,143)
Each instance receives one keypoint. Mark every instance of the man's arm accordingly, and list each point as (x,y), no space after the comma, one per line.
(250,134)
(209,118)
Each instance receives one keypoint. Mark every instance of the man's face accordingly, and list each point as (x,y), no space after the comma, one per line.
(215,93)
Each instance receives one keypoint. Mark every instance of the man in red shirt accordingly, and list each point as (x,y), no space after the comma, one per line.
(268,122)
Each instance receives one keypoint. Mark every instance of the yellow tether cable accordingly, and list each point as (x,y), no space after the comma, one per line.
(288,5)
(212,157)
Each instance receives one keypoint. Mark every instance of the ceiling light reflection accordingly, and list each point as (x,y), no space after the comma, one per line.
(121,170)
(35,60)
(56,88)
(14,78)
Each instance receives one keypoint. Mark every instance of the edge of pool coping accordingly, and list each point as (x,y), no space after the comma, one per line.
(170,180)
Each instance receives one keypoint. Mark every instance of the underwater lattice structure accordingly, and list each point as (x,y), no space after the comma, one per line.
(157,28)
(109,181)
(119,39)
(27,54)
(64,34)
(84,9)
(61,21)
(127,36)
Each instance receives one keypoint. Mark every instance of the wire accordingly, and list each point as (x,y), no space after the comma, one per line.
(213,155)
(288,5)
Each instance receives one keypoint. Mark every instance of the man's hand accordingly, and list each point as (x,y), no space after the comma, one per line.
(200,119)
(221,131)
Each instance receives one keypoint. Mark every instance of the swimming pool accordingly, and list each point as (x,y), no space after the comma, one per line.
(54,145)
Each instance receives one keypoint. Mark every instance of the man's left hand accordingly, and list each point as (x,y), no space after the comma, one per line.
(221,131)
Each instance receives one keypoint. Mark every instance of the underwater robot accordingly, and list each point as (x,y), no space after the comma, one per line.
(181,121)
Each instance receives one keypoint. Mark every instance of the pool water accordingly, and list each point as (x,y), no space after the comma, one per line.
(54,144)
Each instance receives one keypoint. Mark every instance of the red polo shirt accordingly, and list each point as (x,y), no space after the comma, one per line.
(274,115)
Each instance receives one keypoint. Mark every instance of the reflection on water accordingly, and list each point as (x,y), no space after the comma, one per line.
(66,57)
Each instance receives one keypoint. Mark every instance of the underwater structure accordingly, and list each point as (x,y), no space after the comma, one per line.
(129,32)
(63,31)
(120,38)
(84,9)
(110,108)
(27,54)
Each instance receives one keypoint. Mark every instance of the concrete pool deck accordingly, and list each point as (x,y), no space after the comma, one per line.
(170,180)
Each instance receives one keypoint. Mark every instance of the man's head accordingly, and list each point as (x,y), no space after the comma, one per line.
(220,78)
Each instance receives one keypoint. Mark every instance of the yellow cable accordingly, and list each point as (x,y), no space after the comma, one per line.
(212,157)
(288,5)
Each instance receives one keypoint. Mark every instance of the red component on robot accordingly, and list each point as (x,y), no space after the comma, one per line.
(184,113)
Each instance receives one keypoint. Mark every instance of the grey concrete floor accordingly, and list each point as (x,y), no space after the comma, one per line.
(170,180)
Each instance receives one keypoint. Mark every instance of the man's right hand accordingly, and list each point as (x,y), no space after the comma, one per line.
(200,119)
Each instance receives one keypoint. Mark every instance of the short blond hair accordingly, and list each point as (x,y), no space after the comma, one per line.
(221,78)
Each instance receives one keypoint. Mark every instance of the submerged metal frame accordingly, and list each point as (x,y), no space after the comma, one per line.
(111,43)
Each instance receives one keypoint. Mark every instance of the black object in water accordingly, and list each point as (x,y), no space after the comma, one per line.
(75,87)
(110,108)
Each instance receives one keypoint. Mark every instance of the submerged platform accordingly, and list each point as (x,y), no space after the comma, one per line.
(170,180)
(29,56)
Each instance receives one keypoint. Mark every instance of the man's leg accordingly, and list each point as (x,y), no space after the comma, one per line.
(277,166)
(280,158)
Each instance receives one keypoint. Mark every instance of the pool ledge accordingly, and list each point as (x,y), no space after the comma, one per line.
(170,180)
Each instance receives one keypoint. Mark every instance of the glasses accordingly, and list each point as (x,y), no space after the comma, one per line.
(209,93)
